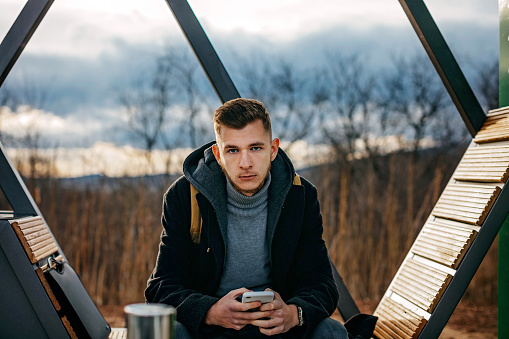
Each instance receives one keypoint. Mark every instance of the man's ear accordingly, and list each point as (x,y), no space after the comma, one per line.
(217,154)
(274,147)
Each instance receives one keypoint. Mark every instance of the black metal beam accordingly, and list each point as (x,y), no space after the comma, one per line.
(20,33)
(442,58)
(214,68)
(346,305)
(14,189)
(469,265)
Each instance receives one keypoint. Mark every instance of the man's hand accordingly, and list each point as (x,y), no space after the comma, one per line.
(283,318)
(229,313)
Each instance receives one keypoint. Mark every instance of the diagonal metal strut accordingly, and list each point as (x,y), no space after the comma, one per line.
(448,69)
(202,47)
(20,33)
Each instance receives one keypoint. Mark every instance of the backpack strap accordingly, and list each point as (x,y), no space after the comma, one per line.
(197,221)
(296,180)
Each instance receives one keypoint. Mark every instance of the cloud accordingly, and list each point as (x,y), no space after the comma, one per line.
(84,54)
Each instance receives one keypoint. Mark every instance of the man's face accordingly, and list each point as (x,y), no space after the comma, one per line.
(245,155)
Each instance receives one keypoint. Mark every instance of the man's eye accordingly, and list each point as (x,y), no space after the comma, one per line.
(231,151)
(256,148)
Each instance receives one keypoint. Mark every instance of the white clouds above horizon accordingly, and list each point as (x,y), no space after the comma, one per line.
(91,28)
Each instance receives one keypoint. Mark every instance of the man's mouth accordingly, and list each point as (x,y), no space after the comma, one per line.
(247,176)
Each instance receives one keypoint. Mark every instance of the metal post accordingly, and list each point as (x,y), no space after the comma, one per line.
(503,236)
(214,68)
(445,64)
(20,33)
(14,188)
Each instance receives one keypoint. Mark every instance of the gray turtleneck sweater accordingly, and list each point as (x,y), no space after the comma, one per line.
(247,261)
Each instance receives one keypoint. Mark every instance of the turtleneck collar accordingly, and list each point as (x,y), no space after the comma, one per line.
(240,200)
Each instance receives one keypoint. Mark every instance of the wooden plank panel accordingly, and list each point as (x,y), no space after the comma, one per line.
(484,163)
(36,241)
(35,238)
(420,284)
(466,202)
(34,229)
(398,325)
(444,259)
(29,222)
(44,252)
(495,127)
(395,321)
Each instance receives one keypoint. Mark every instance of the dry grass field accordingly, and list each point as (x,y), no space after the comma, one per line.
(372,210)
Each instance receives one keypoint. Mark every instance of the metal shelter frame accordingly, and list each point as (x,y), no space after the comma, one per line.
(438,51)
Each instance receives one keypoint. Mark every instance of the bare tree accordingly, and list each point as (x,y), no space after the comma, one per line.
(293,114)
(487,83)
(285,90)
(256,75)
(192,101)
(147,106)
(352,105)
(415,93)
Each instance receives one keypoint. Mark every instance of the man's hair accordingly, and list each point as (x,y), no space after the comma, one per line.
(237,113)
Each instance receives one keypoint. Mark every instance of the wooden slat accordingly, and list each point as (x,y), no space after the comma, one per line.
(44,252)
(29,222)
(484,163)
(396,321)
(466,202)
(40,243)
(443,243)
(495,127)
(35,238)
(32,230)
(420,284)
(390,309)
(118,333)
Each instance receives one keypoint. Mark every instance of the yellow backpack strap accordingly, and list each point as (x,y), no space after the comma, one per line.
(296,180)
(196,221)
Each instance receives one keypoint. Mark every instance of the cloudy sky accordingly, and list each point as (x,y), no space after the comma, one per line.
(84,52)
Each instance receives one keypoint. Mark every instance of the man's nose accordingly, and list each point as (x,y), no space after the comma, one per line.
(245,160)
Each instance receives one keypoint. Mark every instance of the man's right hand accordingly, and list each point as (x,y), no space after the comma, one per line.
(229,313)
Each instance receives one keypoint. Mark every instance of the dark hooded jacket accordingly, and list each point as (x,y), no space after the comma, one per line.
(187,275)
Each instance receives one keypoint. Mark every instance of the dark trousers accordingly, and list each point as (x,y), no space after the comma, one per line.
(326,329)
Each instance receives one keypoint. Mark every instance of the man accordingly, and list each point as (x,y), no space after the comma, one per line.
(259,232)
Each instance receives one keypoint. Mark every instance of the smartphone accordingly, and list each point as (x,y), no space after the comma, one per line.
(263,296)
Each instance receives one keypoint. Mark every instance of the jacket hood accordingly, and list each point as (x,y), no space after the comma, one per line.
(202,170)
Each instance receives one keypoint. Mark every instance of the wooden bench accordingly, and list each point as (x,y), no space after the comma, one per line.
(438,253)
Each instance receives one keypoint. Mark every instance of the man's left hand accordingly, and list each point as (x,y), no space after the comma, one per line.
(282,319)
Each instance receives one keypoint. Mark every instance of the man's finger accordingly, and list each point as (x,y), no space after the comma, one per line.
(253,316)
(267,323)
(239,291)
(268,307)
(272,331)
(244,307)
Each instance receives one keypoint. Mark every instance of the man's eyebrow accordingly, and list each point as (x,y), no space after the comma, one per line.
(254,144)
